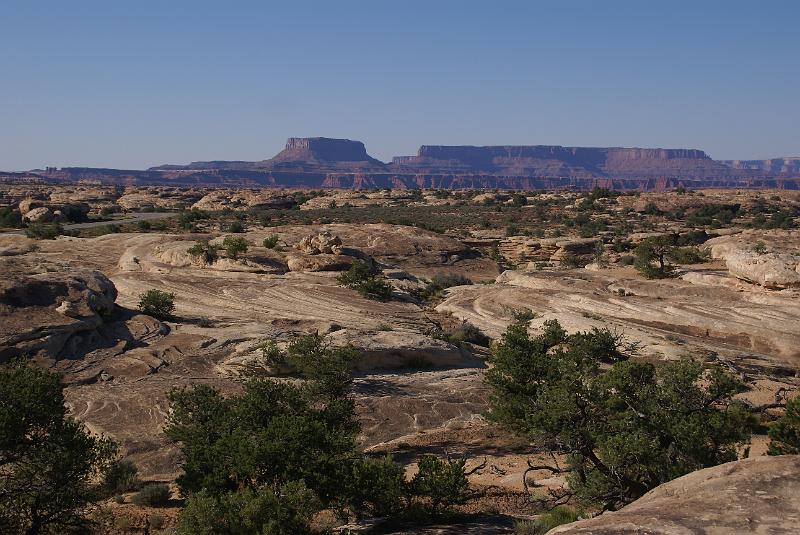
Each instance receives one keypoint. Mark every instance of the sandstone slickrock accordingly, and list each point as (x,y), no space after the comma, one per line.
(777,266)
(756,495)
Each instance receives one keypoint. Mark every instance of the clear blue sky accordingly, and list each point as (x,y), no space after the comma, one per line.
(137,83)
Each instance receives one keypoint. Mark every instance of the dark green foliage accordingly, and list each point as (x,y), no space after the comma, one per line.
(687,255)
(466,332)
(651,257)
(144,226)
(236,227)
(559,515)
(784,434)
(205,251)
(714,215)
(44,231)
(157,303)
(271,241)
(518,199)
(152,495)
(442,281)
(277,434)
(363,277)
(49,464)
(263,512)
(234,246)
(440,483)
(10,218)
(121,477)
(626,428)
(572,261)
(187,220)
(378,487)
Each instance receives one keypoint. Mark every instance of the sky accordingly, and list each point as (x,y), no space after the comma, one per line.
(132,84)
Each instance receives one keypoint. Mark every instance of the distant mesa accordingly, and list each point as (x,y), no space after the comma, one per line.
(320,162)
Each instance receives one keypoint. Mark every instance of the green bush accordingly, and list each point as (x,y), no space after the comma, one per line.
(651,257)
(152,495)
(234,246)
(157,303)
(784,434)
(10,218)
(236,227)
(121,477)
(624,428)
(363,278)
(51,467)
(156,521)
(440,483)
(467,332)
(271,241)
(204,251)
(687,255)
(44,231)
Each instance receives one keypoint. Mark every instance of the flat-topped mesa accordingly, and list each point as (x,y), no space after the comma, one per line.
(322,150)
(789,167)
(558,161)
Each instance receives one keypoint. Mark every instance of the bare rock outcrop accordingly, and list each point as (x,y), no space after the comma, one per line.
(42,214)
(321,243)
(40,313)
(756,495)
(768,258)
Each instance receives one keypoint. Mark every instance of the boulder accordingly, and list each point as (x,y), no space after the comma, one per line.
(321,243)
(39,314)
(39,215)
(26,205)
(770,270)
(756,495)
(320,262)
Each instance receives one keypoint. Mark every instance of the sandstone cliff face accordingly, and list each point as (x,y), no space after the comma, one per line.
(343,163)
(773,166)
(570,162)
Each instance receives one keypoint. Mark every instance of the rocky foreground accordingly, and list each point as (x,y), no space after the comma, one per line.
(71,304)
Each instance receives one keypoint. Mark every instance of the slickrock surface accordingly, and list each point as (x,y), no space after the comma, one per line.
(757,495)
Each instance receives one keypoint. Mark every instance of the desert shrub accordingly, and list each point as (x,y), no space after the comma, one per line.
(205,251)
(267,460)
(440,483)
(378,486)
(523,314)
(187,219)
(784,433)
(363,277)
(627,260)
(271,241)
(442,281)
(572,261)
(10,218)
(287,511)
(236,227)
(559,515)
(157,303)
(687,255)
(51,467)
(121,477)
(234,246)
(156,521)
(44,231)
(467,332)
(651,257)
(624,428)
(152,495)
(144,226)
